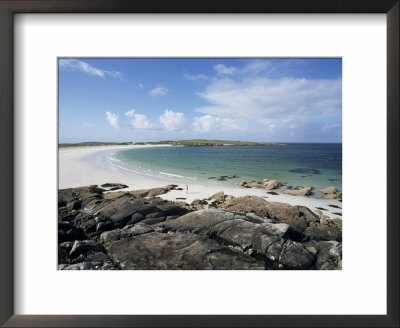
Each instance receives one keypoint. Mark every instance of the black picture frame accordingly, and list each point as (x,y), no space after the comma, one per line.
(10,7)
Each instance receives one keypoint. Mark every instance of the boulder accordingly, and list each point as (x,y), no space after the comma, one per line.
(255,185)
(132,230)
(135,218)
(336,195)
(120,212)
(82,266)
(67,232)
(299,192)
(152,192)
(153,220)
(331,193)
(266,239)
(329,256)
(324,233)
(112,235)
(198,202)
(114,186)
(174,250)
(298,217)
(171,208)
(229,197)
(62,255)
(74,198)
(324,221)
(295,256)
(127,231)
(74,205)
(328,190)
(219,196)
(159,191)
(337,222)
(256,219)
(270,184)
(83,246)
(247,204)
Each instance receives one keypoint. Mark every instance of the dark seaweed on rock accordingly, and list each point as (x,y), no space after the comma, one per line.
(136,230)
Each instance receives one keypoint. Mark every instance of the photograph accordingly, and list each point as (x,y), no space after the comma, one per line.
(199,163)
(203,141)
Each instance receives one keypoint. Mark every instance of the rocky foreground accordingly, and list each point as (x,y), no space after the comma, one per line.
(136,230)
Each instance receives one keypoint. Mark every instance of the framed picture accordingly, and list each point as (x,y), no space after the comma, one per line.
(223,123)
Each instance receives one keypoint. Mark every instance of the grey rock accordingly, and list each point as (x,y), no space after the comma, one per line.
(299,192)
(114,186)
(138,229)
(154,220)
(323,233)
(171,217)
(219,196)
(173,251)
(67,245)
(267,239)
(82,246)
(135,230)
(137,217)
(329,256)
(112,235)
(254,218)
(298,217)
(62,255)
(155,215)
(296,256)
(83,266)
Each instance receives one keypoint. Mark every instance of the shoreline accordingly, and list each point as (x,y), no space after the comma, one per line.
(82,166)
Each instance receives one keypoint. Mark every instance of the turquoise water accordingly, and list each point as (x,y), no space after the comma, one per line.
(315,165)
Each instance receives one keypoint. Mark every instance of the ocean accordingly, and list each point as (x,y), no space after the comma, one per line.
(298,164)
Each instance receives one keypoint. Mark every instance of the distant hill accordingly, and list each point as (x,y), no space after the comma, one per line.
(186,143)
(206,142)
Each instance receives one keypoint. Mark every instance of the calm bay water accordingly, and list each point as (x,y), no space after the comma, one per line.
(290,163)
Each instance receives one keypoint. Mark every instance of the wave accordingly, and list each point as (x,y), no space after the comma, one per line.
(119,164)
(176,175)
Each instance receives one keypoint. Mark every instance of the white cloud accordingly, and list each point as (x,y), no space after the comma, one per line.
(263,94)
(158,91)
(87,125)
(74,64)
(173,122)
(270,101)
(113,119)
(208,123)
(261,67)
(141,122)
(130,113)
(229,124)
(225,70)
(196,77)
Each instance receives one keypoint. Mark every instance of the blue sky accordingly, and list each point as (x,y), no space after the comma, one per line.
(133,99)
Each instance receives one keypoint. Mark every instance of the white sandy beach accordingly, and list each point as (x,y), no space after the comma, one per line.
(82,166)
